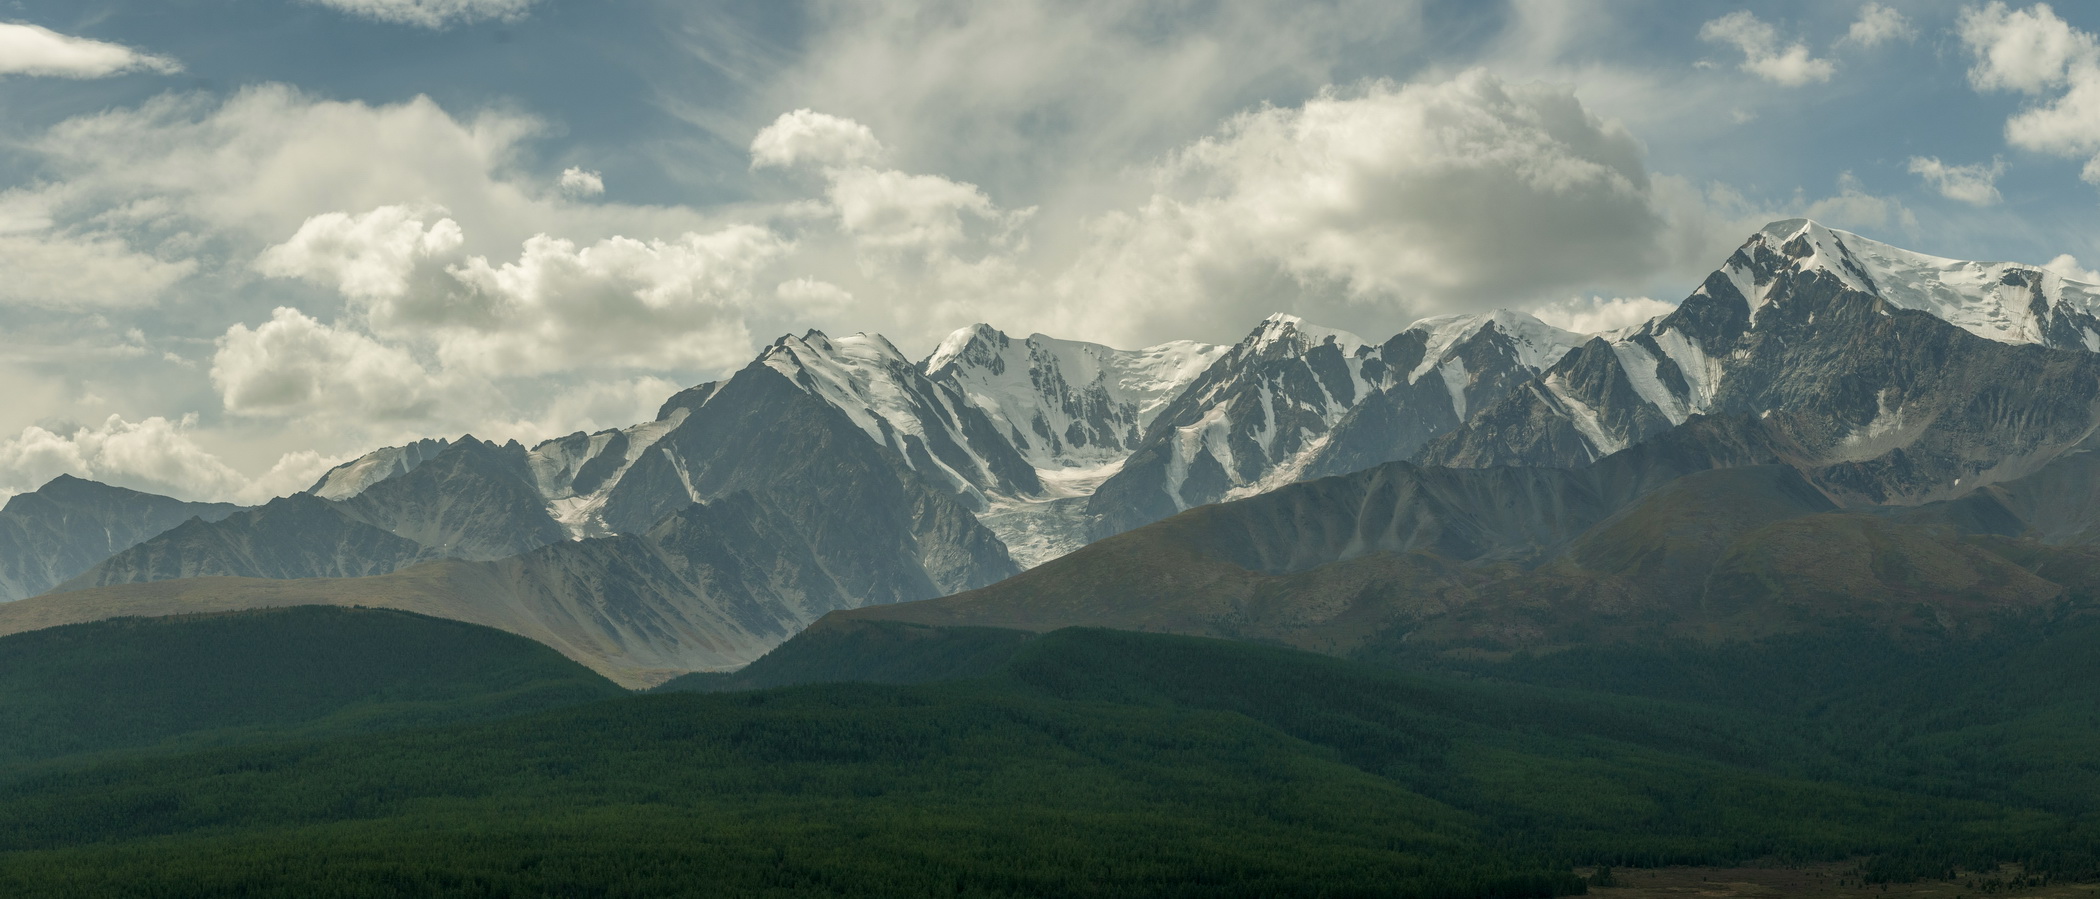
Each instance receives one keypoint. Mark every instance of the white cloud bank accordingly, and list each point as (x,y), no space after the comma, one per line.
(432,14)
(293,365)
(616,304)
(1422,198)
(38,51)
(2034,52)
(804,137)
(1763,56)
(156,455)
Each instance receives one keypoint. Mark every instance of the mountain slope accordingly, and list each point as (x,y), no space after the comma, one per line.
(474,500)
(351,478)
(65,527)
(468,499)
(1711,531)
(289,537)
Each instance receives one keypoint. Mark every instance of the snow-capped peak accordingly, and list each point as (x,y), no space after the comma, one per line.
(856,350)
(1066,403)
(861,375)
(2008,302)
(1537,345)
(980,337)
(358,475)
(1297,335)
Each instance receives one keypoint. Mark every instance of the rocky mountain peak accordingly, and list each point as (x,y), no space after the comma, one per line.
(815,349)
(1534,345)
(1285,334)
(979,344)
(2008,302)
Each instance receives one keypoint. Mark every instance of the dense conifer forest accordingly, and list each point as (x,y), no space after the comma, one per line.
(1082,762)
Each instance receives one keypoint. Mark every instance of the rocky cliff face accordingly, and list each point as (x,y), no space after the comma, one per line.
(56,532)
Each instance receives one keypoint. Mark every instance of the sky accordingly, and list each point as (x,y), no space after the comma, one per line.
(244,240)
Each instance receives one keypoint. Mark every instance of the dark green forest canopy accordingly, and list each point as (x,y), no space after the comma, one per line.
(1111,763)
(207,679)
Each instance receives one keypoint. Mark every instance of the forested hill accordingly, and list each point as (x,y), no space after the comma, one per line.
(133,683)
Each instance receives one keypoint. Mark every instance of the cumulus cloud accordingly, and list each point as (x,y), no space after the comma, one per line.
(2029,50)
(1036,94)
(1879,24)
(580,182)
(35,50)
(294,366)
(2032,51)
(1763,56)
(1976,185)
(618,303)
(1430,197)
(366,256)
(804,137)
(155,455)
(1596,315)
(430,13)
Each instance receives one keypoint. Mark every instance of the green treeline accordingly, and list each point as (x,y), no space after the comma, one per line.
(1103,763)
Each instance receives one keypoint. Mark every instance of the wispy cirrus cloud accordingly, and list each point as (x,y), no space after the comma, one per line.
(432,14)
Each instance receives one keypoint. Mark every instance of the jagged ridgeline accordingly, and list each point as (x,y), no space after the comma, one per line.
(835,473)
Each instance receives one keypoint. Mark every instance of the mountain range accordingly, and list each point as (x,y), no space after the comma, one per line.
(1486,481)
